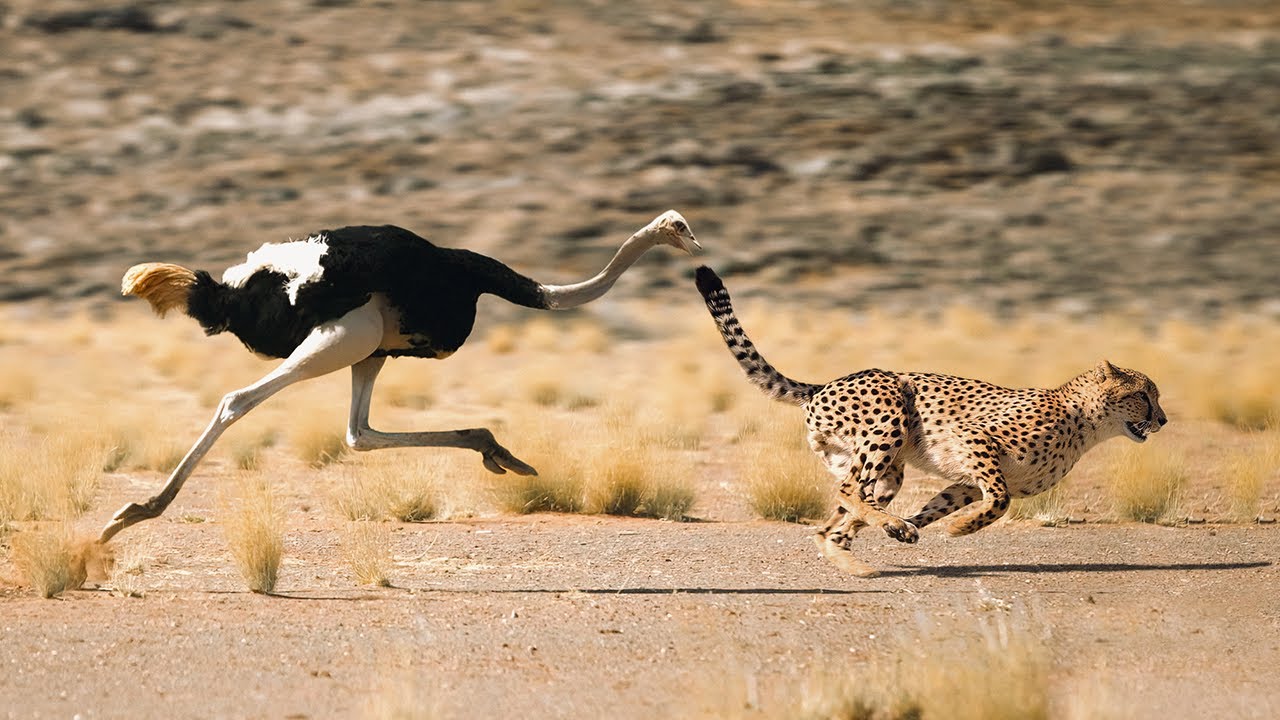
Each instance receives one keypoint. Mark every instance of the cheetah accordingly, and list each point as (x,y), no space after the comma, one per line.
(991,443)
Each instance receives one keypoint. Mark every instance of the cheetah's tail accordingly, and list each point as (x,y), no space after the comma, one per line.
(759,371)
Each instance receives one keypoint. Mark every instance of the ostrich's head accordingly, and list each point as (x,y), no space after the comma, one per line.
(670,228)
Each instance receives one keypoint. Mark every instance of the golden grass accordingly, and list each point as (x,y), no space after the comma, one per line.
(54,559)
(407,385)
(1248,472)
(625,475)
(367,549)
(686,404)
(17,380)
(632,468)
(54,476)
(780,475)
(318,438)
(127,574)
(557,490)
(253,523)
(248,449)
(983,664)
(141,442)
(994,671)
(391,485)
(1049,508)
(1146,485)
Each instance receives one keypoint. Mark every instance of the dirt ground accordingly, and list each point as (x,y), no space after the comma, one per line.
(585,617)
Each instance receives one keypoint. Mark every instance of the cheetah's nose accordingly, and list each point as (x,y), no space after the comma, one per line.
(1163,421)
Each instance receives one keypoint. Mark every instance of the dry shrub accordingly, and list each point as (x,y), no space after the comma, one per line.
(554,448)
(247,448)
(317,439)
(140,441)
(627,475)
(53,476)
(255,535)
(391,486)
(1146,485)
(556,490)
(1248,397)
(988,668)
(131,562)
(1247,474)
(590,337)
(1049,508)
(367,548)
(782,477)
(983,664)
(54,560)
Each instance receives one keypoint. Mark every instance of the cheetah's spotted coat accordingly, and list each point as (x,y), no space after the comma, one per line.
(992,443)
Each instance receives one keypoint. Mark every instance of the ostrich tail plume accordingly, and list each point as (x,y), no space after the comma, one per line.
(164,285)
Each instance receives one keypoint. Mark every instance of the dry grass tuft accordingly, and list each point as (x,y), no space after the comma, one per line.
(247,450)
(987,666)
(1247,474)
(317,441)
(988,670)
(782,478)
(55,560)
(142,443)
(50,477)
(557,490)
(391,486)
(367,547)
(126,577)
(625,473)
(1049,508)
(254,527)
(1146,486)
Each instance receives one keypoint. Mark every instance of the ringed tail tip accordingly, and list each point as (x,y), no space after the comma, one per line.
(707,280)
(164,285)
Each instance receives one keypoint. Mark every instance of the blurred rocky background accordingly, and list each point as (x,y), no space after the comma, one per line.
(902,154)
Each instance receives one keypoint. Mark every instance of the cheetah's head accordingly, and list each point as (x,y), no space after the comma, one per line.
(1133,400)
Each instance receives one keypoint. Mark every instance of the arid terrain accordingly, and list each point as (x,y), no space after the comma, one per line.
(1009,190)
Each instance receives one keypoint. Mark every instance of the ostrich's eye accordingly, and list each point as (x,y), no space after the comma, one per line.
(680,226)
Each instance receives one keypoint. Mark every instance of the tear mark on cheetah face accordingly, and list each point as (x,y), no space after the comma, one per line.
(1133,399)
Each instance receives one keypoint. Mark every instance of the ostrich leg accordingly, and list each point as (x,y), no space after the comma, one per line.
(331,346)
(360,436)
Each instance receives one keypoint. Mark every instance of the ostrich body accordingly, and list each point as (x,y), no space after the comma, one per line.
(353,297)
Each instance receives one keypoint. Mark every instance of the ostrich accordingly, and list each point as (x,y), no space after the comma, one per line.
(353,297)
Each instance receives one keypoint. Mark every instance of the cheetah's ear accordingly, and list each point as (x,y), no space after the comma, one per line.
(1107,369)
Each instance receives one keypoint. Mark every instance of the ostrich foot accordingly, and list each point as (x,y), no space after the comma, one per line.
(499,460)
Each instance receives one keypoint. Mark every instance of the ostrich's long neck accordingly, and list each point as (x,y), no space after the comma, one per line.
(562,297)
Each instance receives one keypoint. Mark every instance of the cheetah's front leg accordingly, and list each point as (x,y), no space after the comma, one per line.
(835,540)
(995,502)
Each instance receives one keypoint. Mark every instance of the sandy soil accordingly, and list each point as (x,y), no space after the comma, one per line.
(583,617)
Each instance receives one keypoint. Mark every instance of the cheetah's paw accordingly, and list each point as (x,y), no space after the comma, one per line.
(901,530)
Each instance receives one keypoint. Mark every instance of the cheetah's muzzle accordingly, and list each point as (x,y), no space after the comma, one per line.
(1138,431)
